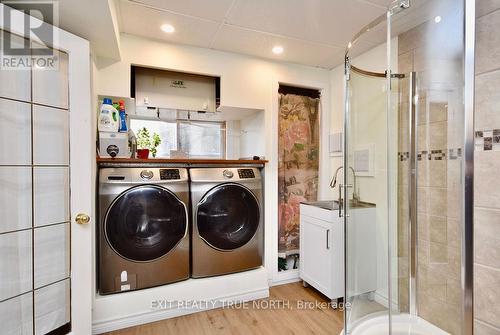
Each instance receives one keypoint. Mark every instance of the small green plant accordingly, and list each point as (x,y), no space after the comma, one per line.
(146,141)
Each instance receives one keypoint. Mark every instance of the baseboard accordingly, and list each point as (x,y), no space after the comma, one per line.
(286,277)
(381,299)
(153,316)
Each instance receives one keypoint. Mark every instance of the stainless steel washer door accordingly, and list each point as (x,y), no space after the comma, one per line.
(145,222)
(228,216)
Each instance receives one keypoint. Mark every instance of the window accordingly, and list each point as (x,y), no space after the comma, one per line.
(202,139)
(166,130)
(197,139)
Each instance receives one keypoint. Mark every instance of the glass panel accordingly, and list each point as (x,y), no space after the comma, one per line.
(435,292)
(228,217)
(202,139)
(34,243)
(145,223)
(367,287)
(417,172)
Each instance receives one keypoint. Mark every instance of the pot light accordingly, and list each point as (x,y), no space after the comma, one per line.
(278,49)
(349,45)
(167,28)
(437,19)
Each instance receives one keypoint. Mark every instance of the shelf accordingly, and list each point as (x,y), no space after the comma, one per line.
(180,161)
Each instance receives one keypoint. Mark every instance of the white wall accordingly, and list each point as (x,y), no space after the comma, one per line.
(245,82)
(371,128)
(253,139)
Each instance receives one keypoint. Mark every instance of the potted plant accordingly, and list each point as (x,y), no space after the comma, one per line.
(147,143)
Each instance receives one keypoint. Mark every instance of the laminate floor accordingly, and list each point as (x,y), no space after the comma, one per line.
(296,310)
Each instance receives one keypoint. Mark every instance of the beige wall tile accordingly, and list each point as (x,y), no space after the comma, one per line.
(438,201)
(438,135)
(487,235)
(487,295)
(486,181)
(438,252)
(423,171)
(438,229)
(423,226)
(454,232)
(432,310)
(437,173)
(481,328)
(422,199)
(454,291)
(487,43)
(438,111)
(487,100)
(405,62)
(484,7)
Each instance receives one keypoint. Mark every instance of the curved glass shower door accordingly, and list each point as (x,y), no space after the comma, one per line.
(366,188)
(408,243)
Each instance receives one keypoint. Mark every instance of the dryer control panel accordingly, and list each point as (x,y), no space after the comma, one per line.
(246,173)
(169,174)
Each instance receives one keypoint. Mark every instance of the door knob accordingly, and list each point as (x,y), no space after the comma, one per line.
(82,218)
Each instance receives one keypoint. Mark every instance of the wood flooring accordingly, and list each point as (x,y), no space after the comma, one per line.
(297,310)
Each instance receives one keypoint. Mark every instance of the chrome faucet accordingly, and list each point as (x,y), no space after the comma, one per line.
(333,182)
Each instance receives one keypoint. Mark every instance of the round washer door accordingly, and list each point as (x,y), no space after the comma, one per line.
(145,222)
(228,216)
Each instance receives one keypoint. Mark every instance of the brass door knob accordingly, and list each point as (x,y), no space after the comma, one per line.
(82,218)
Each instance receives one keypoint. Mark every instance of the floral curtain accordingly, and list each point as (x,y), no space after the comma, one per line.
(298,149)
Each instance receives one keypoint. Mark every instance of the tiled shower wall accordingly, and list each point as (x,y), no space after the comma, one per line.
(434,52)
(487,165)
(34,199)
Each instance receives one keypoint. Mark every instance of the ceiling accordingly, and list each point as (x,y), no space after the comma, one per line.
(312,32)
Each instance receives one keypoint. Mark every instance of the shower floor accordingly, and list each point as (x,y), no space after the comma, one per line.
(402,324)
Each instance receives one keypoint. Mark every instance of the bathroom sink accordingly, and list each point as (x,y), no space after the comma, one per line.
(333,205)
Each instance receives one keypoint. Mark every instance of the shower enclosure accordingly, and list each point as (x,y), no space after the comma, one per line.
(408,136)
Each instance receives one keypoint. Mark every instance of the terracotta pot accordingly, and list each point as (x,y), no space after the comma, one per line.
(143,153)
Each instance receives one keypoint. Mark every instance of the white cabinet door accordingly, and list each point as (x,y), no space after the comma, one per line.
(315,246)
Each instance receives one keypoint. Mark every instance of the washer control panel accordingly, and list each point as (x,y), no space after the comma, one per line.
(246,173)
(169,174)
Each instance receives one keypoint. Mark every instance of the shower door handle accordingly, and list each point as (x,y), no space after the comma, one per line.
(342,202)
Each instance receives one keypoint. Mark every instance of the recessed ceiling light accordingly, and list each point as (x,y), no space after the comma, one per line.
(437,19)
(278,49)
(168,28)
(349,45)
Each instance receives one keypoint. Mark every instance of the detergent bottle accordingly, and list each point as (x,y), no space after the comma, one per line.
(109,120)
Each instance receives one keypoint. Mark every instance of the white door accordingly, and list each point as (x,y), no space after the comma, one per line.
(46,167)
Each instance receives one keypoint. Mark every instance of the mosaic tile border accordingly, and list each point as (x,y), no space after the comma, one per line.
(487,140)
(437,155)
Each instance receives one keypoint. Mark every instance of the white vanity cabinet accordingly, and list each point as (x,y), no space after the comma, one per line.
(322,250)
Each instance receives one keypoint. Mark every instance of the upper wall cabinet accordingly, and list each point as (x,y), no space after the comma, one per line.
(50,87)
(174,90)
(14,83)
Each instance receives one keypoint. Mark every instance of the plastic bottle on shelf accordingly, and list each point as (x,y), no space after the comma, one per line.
(108,117)
(123,117)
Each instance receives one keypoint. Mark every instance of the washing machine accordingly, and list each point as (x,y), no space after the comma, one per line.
(228,230)
(143,228)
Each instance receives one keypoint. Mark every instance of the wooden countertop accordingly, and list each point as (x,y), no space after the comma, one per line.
(180,161)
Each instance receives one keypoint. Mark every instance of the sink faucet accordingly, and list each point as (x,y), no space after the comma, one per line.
(333,182)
